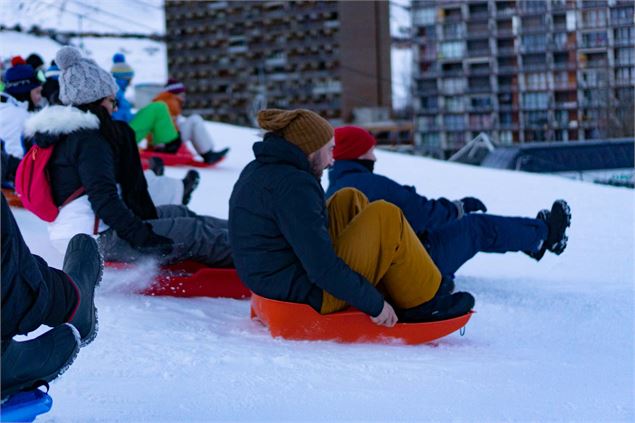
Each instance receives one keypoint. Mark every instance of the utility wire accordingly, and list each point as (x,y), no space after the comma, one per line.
(105,12)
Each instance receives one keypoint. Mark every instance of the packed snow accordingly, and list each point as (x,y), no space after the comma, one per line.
(551,341)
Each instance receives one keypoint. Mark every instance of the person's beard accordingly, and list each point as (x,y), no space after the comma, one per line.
(316,167)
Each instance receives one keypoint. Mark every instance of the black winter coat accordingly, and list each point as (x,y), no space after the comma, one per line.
(83,157)
(279,235)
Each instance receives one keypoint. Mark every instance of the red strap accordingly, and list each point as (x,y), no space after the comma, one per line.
(96,226)
(73,196)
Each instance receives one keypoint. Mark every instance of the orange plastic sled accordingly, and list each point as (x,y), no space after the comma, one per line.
(301,322)
(192,279)
(183,157)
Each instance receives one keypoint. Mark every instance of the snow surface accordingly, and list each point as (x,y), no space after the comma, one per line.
(551,341)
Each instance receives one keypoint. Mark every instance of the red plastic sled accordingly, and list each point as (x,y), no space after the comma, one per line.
(183,157)
(301,322)
(12,198)
(192,279)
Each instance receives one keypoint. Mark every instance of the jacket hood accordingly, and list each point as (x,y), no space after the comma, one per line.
(59,120)
(275,149)
(344,167)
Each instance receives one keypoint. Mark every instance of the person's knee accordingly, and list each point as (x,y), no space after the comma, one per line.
(347,195)
(195,119)
(385,208)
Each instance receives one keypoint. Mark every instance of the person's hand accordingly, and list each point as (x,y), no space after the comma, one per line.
(387,317)
(156,245)
(471,204)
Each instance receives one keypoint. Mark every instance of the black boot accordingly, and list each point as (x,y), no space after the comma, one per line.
(27,364)
(212,157)
(190,182)
(441,307)
(537,255)
(446,287)
(84,265)
(156,165)
(558,222)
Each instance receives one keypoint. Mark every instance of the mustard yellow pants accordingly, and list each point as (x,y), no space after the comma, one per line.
(376,241)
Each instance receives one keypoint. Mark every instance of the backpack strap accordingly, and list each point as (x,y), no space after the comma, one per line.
(78,193)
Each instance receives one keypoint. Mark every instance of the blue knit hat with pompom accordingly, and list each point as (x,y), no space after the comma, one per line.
(120,69)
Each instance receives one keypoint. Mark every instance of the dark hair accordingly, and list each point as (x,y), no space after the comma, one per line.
(106,125)
(21,97)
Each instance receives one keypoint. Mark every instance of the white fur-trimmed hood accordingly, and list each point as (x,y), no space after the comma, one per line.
(58,120)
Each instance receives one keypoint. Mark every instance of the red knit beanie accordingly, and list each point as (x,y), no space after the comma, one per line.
(351,142)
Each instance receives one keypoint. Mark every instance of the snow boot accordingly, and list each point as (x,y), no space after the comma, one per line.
(27,365)
(537,255)
(156,165)
(190,182)
(212,157)
(441,307)
(446,287)
(558,222)
(84,266)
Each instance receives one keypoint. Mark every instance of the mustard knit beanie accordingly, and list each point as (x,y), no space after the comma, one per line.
(301,127)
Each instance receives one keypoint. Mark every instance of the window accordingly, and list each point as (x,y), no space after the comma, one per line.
(536,81)
(505,118)
(481,102)
(453,30)
(622,15)
(535,100)
(429,103)
(625,75)
(594,39)
(425,16)
(505,137)
(538,118)
(481,120)
(625,56)
(594,18)
(453,122)
(624,35)
(534,42)
(452,49)
(594,77)
(453,85)
(454,104)
(560,40)
(431,139)
(427,123)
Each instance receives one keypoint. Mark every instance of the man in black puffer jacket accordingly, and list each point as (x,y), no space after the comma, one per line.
(289,244)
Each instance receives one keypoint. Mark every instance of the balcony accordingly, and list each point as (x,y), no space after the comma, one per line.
(593,4)
(565,65)
(504,32)
(508,69)
(564,85)
(566,105)
(506,51)
(475,89)
(505,11)
(478,52)
(534,66)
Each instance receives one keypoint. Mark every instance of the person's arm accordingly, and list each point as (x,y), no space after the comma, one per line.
(299,207)
(422,213)
(96,167)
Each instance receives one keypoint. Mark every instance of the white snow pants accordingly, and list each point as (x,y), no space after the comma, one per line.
(192,128)
(163,189)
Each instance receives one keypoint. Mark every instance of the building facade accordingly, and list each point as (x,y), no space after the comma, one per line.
(237,57)
(522,71)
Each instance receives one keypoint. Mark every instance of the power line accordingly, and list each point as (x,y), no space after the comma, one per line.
(99,10)
(84,16)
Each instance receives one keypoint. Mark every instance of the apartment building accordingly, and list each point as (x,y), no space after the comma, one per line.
(237,57)
(522,71)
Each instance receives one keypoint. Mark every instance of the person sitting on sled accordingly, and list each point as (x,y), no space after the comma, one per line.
(292,244)
(158,122)
(34,294)
(192,128)
(97,181)
(451,231)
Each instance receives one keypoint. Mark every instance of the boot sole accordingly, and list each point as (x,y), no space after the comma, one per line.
(93,333)
(27,386)
(561,245)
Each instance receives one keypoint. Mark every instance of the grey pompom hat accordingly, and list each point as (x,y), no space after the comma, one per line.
(81,80)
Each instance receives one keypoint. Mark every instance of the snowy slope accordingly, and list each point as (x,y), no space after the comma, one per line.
(551,341)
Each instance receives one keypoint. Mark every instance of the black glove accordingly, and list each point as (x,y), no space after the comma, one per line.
(471,204)
(156,245)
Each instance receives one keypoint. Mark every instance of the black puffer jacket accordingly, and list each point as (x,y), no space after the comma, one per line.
(279,236)
(83,157)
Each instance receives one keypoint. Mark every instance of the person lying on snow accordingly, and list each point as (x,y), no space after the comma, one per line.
(34,294)
(291,244)
(95,153)
(451,231)
(192,128)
